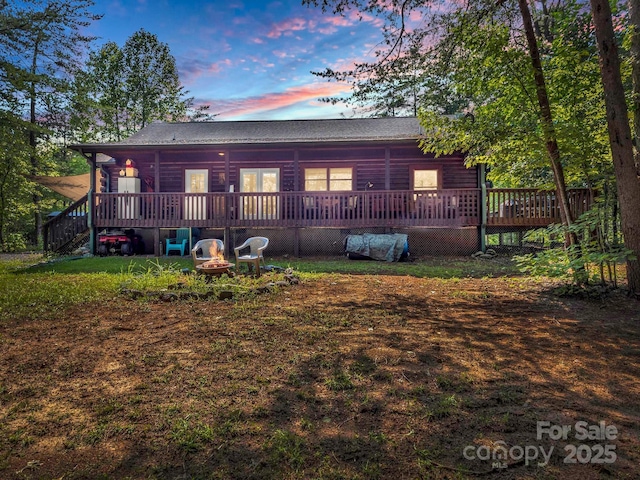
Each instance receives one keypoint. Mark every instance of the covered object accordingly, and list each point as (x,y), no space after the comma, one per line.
(388,247)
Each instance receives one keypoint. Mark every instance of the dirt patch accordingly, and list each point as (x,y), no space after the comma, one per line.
(344,377)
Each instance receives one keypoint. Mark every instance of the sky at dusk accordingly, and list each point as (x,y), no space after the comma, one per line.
(249,59)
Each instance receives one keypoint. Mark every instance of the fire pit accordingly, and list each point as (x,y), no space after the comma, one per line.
(216,264)
(215,268)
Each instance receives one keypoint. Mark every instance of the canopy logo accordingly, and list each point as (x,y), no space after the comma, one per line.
(501,455)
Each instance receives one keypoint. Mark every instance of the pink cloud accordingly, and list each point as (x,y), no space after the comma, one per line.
(228,109)
(282,54)
(339,21)
(263,62)
(324,24)
(287,27)
(415,16)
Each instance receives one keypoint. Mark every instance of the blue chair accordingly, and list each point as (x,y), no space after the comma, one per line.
(180,243)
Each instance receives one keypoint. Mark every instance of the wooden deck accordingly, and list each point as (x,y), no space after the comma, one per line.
(505,209)
(289,209)
(526,207)
(438,208)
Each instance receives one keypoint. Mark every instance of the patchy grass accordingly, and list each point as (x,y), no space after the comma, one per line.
(344,376)
(425,267)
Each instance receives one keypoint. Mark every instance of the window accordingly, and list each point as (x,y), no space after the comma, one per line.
(425,179)
(328,179)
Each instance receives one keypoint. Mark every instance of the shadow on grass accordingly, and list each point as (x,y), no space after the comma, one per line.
(376,383)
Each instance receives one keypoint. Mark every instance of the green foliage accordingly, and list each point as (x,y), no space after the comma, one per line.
(592,259)
(13,242)
(124,89)
(470,61)
(14,187)
(41,45)
(502,128)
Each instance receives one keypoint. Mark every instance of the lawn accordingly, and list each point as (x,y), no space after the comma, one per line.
(362,370)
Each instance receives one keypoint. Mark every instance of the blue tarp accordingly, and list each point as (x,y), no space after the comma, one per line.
(389,247)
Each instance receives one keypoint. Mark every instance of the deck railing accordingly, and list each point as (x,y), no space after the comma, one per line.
(531,208)
(392,208)
(289,209)
(66,226)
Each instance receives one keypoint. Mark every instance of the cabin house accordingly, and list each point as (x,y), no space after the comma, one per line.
(305,184)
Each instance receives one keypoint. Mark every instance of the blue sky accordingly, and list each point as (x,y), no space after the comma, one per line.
(249,59)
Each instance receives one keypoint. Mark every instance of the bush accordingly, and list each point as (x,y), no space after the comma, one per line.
(13,242)
(595,247)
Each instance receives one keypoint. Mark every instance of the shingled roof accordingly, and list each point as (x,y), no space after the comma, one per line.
(274,131)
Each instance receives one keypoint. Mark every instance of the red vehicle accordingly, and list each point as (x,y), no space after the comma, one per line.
(116,241)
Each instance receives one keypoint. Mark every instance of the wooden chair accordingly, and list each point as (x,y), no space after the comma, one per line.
(179,244)
(201,250)
(256,246)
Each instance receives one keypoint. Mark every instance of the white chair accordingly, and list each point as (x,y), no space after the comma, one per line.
(256,246)
(200,251)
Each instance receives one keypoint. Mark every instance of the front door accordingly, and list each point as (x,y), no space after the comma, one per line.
(258,181)
(196,181)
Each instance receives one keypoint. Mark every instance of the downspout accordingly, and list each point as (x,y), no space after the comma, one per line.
(482,174)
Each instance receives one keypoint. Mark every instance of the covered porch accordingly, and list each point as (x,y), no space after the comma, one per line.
(393,209)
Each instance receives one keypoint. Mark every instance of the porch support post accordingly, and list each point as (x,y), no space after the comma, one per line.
(387,168)
(157,250)
(156,242)
(483,207)
(91,205)
(227,172)
(296,170)
(156,180)
(226,239)
(296,188)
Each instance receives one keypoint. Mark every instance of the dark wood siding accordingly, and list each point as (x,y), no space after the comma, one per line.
(369,162)
(454,173)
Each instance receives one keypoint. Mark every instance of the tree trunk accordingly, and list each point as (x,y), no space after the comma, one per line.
(620,139)
(634,14)
(546,119)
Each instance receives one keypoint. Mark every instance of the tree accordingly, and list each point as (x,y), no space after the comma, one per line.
(634,50)
(546,117)
(620,138)
(124,89)
(41,43)
(485,30)
(534,106)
